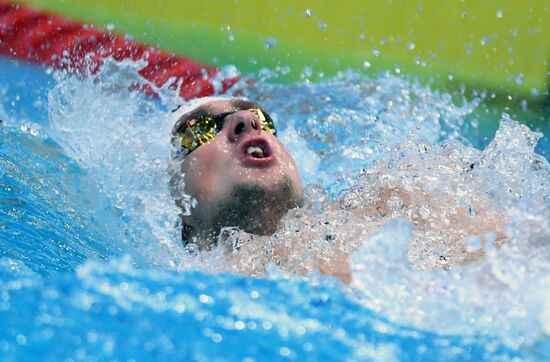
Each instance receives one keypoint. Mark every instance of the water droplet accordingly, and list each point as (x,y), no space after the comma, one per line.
(21,339)
(362,37)
(499,13)
(270,42)
(205,299)
(308,13)
(484,41)
(397,70)
(366,64)
(308,72)
(284,351)
(519,78)
(284,70)
(376,52)
(473,243)
(110,27)
(523,104)
(322,25)
(411,46)
(451,77)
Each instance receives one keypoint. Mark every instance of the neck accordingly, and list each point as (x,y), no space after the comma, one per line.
(249,208)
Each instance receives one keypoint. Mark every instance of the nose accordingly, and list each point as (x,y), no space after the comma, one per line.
(240,124)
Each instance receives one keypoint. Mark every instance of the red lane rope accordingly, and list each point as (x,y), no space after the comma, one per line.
(45,38)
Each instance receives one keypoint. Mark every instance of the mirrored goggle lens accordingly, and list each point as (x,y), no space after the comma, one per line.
(204,129)
(198,132)
(265,119)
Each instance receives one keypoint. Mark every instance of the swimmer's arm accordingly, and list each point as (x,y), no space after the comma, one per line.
(338,266)
(253,257)
(434,216)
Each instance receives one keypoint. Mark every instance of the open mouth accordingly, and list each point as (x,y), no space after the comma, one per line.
(256,148)
(257,151)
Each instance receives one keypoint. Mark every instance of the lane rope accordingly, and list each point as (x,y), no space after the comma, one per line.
(45,38)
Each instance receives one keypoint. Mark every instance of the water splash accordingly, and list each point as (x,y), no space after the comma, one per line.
(107,129)
(354,138)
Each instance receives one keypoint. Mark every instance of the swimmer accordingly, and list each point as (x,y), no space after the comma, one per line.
(231,162)
(236,169)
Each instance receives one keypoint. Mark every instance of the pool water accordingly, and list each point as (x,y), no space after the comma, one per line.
(92,268)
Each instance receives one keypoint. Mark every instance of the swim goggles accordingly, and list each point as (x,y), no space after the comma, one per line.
(202,129)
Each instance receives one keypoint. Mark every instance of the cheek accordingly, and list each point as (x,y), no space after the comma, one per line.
(205,172)
(289,164)
(285,157)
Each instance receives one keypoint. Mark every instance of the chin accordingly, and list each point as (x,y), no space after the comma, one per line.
(256,207)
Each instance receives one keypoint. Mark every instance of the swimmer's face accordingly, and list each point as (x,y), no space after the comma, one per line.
(243,177)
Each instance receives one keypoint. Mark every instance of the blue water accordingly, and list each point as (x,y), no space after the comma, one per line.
(91,267)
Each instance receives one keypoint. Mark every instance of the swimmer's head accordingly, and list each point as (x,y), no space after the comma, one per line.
(231,162)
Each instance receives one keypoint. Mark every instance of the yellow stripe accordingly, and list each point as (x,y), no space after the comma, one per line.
(500,45)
